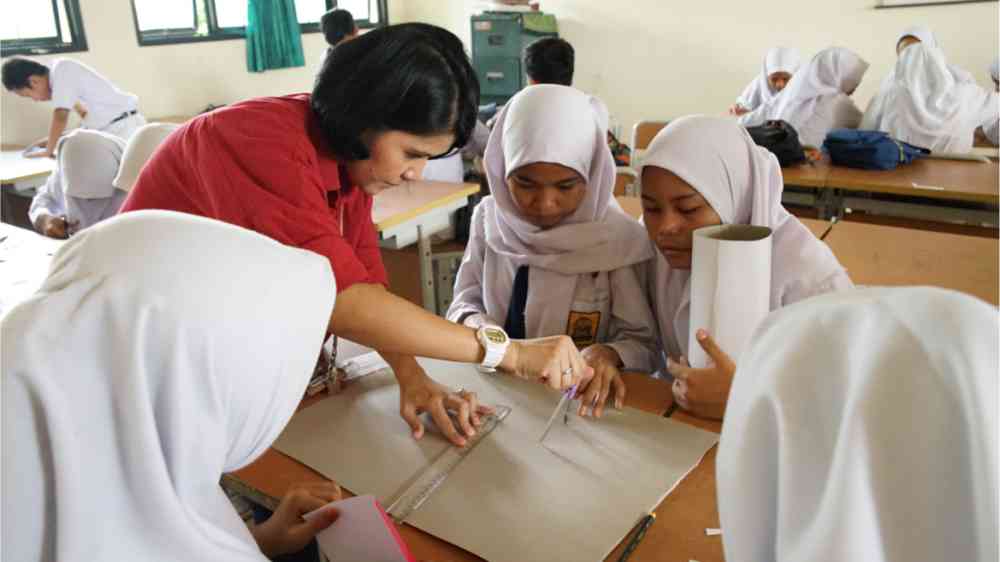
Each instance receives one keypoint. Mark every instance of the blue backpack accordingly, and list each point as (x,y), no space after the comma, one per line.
(870,150)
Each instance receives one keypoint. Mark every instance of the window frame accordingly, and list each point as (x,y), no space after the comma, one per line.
(52,45)
(216,33)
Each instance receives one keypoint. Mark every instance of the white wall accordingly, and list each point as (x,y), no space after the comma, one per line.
(647,59)
(169,79)
(654,59)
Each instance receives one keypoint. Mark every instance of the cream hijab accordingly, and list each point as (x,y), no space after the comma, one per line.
(863,426)
(743,184)
(162,350)
(759,91)
(924,105)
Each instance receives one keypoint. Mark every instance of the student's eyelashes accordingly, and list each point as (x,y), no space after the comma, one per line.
(690,211)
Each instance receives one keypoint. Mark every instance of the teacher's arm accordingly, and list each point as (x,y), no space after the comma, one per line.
(60,118)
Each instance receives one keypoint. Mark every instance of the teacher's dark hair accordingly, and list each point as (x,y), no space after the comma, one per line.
(18,71)
(410,77)
(336,25)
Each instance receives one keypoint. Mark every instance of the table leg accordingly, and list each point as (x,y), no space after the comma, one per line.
(426,271)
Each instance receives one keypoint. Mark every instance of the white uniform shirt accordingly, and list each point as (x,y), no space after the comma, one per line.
(73,82)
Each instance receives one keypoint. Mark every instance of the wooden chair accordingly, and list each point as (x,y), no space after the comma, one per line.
(642,135)
(626,182)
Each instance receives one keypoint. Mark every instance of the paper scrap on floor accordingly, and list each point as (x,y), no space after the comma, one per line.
(590,480)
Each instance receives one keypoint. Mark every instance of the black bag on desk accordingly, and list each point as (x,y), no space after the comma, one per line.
(869,150)
(781,139)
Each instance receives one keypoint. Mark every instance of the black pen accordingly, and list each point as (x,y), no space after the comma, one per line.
(644,525)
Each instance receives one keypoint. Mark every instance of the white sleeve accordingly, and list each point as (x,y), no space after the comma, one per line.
(65,79)
(48,199)
(467,304)
(631,331)
(754,118)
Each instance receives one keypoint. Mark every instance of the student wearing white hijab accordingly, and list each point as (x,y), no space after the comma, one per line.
(991,127)
(80,192)
(550,251)
(779,65)
(703,171)
(181,355)
(818,98)
(140,148)
(863,426)
(926,106)
(913,35)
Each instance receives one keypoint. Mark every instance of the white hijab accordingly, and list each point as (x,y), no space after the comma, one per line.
(162,350)
(559,125)
(863,426)
(924,105)
(759,91)
(743,184)
(832,72)
(927,37)
(141,146)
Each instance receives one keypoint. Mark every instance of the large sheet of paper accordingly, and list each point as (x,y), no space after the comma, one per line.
(24,263)
(512,499)
(730,287)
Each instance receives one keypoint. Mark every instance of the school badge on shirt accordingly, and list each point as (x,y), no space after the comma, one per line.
(582,327)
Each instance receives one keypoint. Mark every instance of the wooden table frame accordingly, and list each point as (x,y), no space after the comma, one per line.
(677,534)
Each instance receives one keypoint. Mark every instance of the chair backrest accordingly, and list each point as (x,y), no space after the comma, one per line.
(139,149)
(642,135)
(625,182)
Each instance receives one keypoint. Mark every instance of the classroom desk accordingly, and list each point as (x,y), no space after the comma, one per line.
(809,174)
(412,213)
(19,176)
(886,255)
(956,180)
(24,263)
(677,534)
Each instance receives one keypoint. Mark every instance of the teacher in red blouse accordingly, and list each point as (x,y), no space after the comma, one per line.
(303,168)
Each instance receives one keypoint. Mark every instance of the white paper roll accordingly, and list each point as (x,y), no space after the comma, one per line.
(730,286)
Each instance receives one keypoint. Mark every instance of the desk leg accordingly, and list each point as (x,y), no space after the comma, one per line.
(426,271)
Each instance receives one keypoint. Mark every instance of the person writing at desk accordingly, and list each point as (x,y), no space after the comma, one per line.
(302,169)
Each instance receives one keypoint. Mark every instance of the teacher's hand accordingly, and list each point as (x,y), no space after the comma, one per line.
(704,392)
(419,393)
(554,361)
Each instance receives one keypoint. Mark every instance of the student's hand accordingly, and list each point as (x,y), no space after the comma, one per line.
(419,393)
(54,227)
(554,361)
(738,110)
(285,531)
(704,392)
(40,154)
(606,382)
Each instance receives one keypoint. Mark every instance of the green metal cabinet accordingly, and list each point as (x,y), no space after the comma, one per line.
(498,43)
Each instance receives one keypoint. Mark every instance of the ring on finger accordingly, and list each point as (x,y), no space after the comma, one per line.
(460,390)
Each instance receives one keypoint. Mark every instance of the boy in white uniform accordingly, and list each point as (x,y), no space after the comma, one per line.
(72,85)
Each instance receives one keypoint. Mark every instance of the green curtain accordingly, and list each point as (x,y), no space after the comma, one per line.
(274,39)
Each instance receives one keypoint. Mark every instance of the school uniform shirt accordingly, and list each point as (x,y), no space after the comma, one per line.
(925,106)
(263,164)
(863,426)
(759,91)
(579,279)
(161,351)
(109,109)
(817,99)
(81,187)
(742,182)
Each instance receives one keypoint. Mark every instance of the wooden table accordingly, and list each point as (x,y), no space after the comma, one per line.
(677,534)
(18,178)
(886,255)
(412,213)
(810,174)
(956,180)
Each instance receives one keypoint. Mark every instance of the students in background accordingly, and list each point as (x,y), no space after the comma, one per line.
(991,127)
(923,35)
(863,426)
(818,98)
(338,26)
(549,60)
(181,355)
(926,106)
(780,64)
(80,192)
(549,252)
(73,86)
(702,171)
(303,169)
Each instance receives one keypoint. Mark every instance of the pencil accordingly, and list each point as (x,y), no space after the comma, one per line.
(644,525)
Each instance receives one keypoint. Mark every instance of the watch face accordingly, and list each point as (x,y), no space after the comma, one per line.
(495,336)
